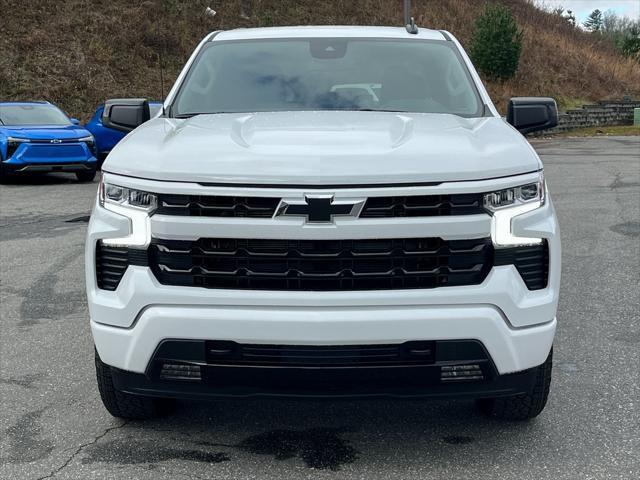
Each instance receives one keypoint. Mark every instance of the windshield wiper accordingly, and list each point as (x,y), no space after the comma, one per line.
(374,110)
(193,114)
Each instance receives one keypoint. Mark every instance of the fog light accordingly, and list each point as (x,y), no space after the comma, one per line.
(461,373)
(172,371)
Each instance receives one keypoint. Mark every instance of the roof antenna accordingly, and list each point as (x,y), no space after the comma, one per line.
(161,64)
(409,22)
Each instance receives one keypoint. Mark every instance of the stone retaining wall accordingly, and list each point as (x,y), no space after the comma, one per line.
(604,113)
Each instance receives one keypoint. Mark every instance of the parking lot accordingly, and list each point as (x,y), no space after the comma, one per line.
(54,426)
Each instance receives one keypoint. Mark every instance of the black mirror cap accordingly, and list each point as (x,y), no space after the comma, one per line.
(531,114)
(125,114)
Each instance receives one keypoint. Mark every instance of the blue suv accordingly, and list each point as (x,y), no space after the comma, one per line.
(106,138)
(39,137)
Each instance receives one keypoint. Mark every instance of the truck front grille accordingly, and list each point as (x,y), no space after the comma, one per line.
(321,265)
(216,206)
(375,207)
(423,206)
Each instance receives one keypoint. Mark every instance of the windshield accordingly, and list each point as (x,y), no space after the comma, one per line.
(328,74)
(32,115)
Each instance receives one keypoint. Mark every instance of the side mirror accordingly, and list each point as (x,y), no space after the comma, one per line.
(75,121)
(530,114)
(125,114)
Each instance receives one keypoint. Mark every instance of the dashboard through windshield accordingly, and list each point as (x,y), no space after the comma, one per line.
(328,74)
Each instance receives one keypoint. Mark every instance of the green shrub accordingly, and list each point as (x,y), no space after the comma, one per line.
(496,43)
(630,44)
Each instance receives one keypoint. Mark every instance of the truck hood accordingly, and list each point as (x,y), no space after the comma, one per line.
(323,148)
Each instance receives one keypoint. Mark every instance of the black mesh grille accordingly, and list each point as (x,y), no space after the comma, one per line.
(112,262)
(532,263)
(422,206)
(217,206)
(232,353)
(375,207)
(321,264)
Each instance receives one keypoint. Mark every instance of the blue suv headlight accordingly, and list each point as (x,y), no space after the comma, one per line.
(13,144)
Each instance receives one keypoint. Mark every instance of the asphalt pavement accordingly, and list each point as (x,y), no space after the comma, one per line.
(53,425)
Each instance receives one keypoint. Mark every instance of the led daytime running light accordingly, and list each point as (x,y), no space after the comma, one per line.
(505,205)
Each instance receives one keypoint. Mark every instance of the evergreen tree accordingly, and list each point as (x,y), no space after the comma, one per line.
(497,43)
(594,22)
(630,44)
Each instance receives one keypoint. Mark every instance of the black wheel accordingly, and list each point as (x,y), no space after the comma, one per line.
(125,405)
(522,407)
(101,158)
(3,172)
(86,176)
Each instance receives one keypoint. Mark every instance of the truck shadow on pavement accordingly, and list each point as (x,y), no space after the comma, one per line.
(285,430)
(39,179)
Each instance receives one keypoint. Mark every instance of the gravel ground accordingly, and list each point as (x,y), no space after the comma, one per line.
(53,423)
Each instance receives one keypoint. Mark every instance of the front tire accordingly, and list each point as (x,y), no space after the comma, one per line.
(526,406)
(124,405)
(101,158)
(86,176)
(4,174)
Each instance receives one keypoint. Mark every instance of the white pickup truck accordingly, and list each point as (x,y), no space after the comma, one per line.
(324,212)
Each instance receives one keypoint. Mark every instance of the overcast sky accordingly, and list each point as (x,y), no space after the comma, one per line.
(582,8)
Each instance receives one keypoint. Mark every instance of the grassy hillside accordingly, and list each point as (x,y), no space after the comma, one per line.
(76,53)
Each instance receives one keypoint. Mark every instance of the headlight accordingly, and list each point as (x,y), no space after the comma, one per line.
(134,204)
(506,204)
(511,197)
(87,139)
(90,141)
(127,197)
(17,140)
(13,144)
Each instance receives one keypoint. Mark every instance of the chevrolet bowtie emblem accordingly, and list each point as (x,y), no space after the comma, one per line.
(319,208)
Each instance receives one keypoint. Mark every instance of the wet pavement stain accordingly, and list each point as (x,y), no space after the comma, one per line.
(25,381)
(619,183)
(38,226)
(41,302)
(83,219)
(126,452)
(458,440)
(629,338)
(319,448)
(630,229)
(24,442)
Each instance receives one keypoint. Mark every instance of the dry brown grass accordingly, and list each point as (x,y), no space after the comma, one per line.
(76,53)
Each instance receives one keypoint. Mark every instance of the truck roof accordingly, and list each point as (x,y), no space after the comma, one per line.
(329,31)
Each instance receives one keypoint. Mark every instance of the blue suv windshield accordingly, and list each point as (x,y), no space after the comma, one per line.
(328,74)
(22,115)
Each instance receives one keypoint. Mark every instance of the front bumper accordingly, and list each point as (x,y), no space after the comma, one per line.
(187,369)
(515,325)
(511,349)
(51,167)
(42,157)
